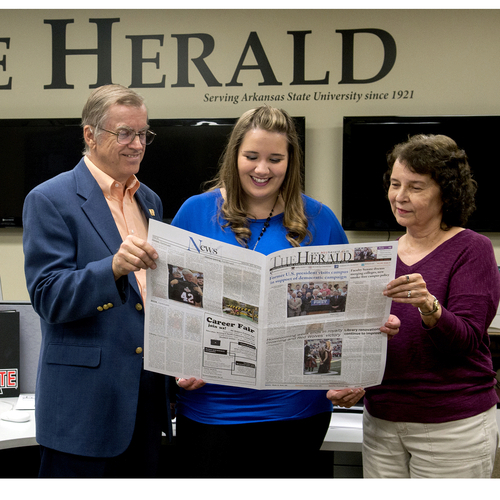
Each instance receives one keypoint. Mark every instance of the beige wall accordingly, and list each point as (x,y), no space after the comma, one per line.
(449,59)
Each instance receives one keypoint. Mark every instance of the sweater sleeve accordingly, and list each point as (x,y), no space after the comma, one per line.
(470,300)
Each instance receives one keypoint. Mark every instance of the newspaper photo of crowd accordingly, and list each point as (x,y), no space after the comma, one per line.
(365,253)
(316,298)
(185,285)
(322,356)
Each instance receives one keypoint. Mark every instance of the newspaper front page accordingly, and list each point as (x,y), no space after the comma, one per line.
(301,318)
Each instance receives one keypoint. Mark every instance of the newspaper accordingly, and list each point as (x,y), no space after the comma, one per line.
(228,315)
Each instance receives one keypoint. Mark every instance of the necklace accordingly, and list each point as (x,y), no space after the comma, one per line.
(265,226)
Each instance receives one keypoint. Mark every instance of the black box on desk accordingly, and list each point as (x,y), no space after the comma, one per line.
(9,354)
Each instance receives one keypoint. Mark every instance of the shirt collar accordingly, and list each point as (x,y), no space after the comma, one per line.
(109,186)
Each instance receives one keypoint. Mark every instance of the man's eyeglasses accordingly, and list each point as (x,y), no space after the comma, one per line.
(126,135)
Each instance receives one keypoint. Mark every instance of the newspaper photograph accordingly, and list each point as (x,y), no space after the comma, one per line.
(300,318)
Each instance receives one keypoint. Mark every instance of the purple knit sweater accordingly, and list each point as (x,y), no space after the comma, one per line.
(444,373)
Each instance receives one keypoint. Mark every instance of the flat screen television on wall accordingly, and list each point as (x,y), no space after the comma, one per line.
(184,154)
(368,139)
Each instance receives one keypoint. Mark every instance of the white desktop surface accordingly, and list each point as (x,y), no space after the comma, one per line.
(16,434)
(345,432)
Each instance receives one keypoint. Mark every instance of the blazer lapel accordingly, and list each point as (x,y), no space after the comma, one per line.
(148,205)
(96,208)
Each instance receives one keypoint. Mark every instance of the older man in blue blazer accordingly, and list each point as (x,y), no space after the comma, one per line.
(98,412)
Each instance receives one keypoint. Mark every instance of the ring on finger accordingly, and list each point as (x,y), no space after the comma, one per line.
(407,279)
(409,293)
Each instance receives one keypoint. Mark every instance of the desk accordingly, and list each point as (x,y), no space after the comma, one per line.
(16,434)
(345,432)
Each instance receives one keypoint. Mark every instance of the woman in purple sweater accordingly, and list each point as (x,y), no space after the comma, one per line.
(434,413)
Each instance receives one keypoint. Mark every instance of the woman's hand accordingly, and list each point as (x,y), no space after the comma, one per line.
(345,397)
(190,384)
(409,289)
(392,326)
(412,289)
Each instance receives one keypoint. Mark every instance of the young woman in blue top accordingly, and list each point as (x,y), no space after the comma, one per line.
(256,202)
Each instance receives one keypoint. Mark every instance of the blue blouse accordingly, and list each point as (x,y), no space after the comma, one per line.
(218,404)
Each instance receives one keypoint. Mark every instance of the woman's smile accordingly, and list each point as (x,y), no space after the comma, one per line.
(259,181)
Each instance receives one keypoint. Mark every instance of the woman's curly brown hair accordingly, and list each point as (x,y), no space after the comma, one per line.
(448,165)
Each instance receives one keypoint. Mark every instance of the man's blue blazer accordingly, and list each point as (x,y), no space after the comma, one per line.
(92,327)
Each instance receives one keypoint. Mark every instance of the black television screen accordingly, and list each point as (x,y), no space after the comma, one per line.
(184,154)
(34,150)
(368,139)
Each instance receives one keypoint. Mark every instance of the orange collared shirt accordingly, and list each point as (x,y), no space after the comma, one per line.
(128,215)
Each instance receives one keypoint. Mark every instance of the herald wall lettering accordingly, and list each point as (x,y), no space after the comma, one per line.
(263,64)
(60,52)
(138,60)
(3,64)
(185,56)
(199,62)
(348,57)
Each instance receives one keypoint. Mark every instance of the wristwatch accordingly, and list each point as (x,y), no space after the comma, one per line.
(434,309)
